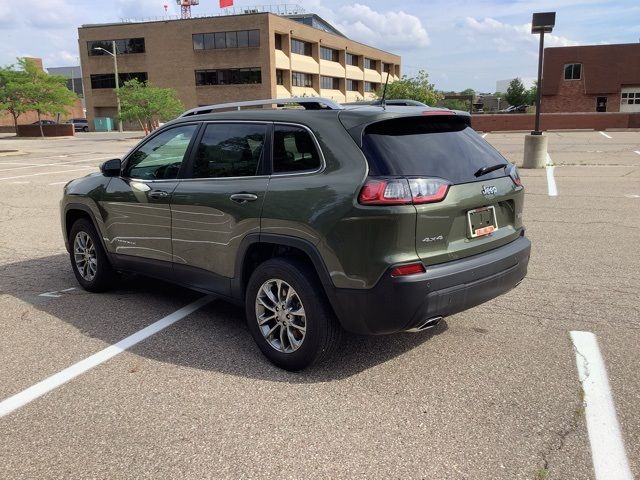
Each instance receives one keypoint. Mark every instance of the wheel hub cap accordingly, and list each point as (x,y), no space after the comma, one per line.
(84,255)
(281,317)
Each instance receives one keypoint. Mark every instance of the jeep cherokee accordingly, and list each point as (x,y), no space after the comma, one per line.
(375,219)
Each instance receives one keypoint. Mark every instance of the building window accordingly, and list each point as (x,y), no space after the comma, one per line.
(123,46)
(572,71)
(300,47)
(229,76)
(353,85)
(370,86)
(352,59)
(279,77)
(278,41)
(329,54)
(299,79)
(107,80)
(370,63)
(386,67)
(237,39)
(630,98)
(330,83)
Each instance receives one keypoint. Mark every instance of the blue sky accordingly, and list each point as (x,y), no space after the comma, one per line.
(460,44)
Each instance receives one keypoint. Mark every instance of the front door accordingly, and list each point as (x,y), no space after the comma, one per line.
(218,202)
(137,216)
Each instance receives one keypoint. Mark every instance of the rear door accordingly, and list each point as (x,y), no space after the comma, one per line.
(479,212)
(219,201)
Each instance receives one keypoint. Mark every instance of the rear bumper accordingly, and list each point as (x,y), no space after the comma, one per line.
(399,304)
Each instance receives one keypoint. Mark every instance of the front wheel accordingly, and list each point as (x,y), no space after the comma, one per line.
(288,315)
(88,259)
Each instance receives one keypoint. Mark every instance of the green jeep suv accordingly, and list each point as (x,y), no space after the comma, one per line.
(376,219)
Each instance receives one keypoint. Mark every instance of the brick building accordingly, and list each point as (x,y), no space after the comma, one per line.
(231,58)
(593,78)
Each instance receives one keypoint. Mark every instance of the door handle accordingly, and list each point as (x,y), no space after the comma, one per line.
(243,197)
(158,194)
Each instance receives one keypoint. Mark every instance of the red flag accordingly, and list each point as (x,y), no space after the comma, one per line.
(226,3)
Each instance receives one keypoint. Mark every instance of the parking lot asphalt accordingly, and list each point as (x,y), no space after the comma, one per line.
(490,393)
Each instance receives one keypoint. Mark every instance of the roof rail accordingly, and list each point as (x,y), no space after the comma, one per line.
(309,103)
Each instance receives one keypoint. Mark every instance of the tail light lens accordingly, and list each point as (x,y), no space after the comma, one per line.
(515,176)
(411,269)
(402,191)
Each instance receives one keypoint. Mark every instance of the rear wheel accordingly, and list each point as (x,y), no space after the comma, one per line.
(88,259)
(85,129)
(288,315)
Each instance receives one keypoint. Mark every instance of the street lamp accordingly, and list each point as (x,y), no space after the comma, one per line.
(541,23)
(115,66)
(535,145)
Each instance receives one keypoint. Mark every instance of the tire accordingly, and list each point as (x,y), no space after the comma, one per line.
(322,331)
(85,129)
(93,270)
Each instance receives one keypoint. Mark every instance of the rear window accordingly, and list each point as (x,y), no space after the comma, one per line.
(429,147)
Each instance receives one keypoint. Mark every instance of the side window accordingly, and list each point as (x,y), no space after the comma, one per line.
(229,150)
(160,158)
(294,150)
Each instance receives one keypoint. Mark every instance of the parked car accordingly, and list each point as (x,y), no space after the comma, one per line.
(514,109)
(80,124)
(376,220)
(45,122)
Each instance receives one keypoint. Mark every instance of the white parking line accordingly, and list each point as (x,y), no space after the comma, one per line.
(59,183)
(551,182)
(47,173)
(604,134)
(607,447)
(635,151)
(58,164)
(483,135)
(56,293)
(26,396)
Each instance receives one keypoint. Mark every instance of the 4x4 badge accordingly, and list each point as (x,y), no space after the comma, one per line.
(488,190)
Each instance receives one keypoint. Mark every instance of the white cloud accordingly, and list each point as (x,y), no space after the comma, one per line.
(389,30)
(507,37)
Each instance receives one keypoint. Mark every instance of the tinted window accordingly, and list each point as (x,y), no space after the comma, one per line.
(572,71)
(243,39)
(293,150)
(198,41)
(160,158)
(431,147)
(300,47)
(254,38)
(229,150)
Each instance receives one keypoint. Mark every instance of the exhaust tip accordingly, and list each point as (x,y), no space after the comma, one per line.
(426,325)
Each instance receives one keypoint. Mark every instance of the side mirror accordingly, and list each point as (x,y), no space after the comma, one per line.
(111,168)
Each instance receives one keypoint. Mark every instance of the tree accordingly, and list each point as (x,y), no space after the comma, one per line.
(414,88)
(12,92)
(532,94)
(455,104)
(516,93)
(143,103)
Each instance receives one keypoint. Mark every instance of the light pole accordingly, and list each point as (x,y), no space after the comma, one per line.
(115,67)
(541,23)
(535,145)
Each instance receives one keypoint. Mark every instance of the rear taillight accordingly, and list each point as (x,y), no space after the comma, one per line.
(403,191)
(515,176)
(411,269)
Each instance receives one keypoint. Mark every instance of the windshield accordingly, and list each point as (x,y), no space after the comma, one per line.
(440,147)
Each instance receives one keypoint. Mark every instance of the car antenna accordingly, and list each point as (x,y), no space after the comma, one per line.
(383,101)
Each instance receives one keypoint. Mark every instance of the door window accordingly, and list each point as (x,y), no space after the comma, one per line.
(229,150)
(161,157)
(294,150)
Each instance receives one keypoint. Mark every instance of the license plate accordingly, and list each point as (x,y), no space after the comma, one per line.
(482,221)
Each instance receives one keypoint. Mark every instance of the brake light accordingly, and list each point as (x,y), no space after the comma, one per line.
(411,269)
(402,191)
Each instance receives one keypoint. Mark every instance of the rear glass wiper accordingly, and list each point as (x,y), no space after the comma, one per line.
(485,170)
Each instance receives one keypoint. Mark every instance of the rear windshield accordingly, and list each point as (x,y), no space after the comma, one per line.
(431,147)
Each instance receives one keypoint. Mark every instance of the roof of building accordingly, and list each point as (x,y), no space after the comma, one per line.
(315,21)
(605,67)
